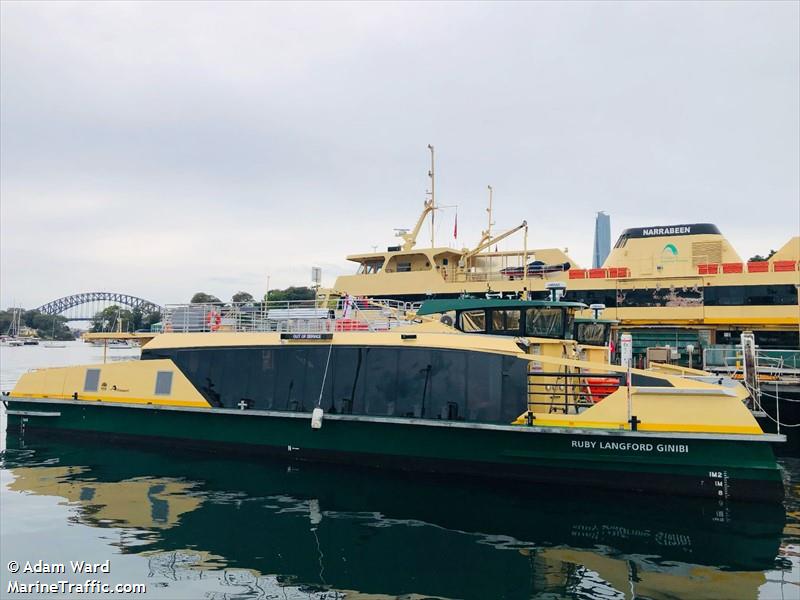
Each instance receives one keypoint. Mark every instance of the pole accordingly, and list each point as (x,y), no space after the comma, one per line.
(489,210)
(626,355)
(432,175)
(525,261)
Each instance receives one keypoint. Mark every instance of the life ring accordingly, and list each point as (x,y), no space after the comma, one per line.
(213,320)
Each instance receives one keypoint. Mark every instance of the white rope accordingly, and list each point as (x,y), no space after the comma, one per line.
(769,416)
(325,374)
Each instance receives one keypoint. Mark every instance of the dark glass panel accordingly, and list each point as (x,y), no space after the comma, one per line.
(505,322)
(381,381)
(607,297)
(163,383)
(515,385)
(347,385)
(92,380)
(413,382)
(315,359)
(448,384)
(484,386)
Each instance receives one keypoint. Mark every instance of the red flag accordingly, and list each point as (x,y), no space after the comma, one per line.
(455,228)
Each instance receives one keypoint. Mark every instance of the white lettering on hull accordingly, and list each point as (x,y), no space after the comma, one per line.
(632,446)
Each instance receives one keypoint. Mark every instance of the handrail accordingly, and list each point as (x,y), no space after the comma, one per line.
(299,316)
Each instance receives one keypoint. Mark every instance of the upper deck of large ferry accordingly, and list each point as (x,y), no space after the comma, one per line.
(689,272)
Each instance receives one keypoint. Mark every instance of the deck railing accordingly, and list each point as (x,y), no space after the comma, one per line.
(783,364)
(298,316)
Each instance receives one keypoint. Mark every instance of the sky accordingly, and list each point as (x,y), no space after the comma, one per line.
(160,149)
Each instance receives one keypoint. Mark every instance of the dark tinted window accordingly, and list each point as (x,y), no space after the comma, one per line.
(607,297)
(750,295)
(393,381)
(92,381)
(652,297)
(381,381)
(505,322)
(414,382)
(448,386)
(164,383)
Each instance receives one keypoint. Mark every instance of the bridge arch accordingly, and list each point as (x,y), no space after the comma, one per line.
(66,303)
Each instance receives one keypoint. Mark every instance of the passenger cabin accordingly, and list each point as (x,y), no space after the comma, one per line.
(521,318)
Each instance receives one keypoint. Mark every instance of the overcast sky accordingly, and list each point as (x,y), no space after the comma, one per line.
(165,148)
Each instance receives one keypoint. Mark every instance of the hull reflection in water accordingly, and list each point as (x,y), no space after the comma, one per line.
(268,528)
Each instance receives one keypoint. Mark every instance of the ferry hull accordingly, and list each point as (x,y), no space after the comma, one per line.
(712,466)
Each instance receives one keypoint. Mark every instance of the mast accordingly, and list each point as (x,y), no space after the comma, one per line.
(489,210)
(432,175)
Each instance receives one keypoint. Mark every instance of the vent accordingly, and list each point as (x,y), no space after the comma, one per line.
(706,252)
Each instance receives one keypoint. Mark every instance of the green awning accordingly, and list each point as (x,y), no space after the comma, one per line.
(432,307)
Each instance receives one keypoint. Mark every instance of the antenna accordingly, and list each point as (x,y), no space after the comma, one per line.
(489,210)
(432,175)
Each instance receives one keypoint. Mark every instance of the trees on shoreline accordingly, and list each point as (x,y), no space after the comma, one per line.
(290,293)
(46,326)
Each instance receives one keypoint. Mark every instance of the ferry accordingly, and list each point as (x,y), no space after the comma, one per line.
(491,388)
(685,277)
(682,288)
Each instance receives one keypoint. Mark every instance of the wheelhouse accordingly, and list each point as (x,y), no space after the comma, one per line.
(521,318)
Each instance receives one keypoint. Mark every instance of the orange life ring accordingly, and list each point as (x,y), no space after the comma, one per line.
(213,320)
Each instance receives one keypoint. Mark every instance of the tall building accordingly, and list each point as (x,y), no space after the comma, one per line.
(602,239)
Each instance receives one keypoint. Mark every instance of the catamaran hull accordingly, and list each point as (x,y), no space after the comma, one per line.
(724,467)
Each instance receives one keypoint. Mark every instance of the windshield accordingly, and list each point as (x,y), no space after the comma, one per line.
(545,322)
(473,321)
(591,333)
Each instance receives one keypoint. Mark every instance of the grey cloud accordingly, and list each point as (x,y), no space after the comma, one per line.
(299,131)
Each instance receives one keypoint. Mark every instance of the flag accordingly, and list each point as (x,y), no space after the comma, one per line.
(455,228)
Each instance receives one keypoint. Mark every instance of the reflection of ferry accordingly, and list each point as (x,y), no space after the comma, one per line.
(313,525)
(140,502)
(476,387)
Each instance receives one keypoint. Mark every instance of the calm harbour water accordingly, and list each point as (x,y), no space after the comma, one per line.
(192,525)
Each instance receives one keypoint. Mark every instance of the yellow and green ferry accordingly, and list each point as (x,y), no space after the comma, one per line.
(466,387)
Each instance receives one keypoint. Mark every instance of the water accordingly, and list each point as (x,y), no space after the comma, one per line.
(193,525)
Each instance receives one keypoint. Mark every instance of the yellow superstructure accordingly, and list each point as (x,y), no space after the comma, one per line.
(679,275)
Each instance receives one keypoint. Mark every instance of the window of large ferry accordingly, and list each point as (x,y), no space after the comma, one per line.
(506,322)
(403,267)
(545,322)
(473,321)
(371,266)
(587,297)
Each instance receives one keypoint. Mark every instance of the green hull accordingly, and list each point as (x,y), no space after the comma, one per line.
(726,467)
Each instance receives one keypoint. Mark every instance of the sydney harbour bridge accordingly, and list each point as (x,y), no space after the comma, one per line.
(84,306)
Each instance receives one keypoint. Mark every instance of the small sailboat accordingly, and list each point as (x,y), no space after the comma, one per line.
(53,343)
(12,338)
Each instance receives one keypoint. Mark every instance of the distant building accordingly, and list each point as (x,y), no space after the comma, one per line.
(602,239)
